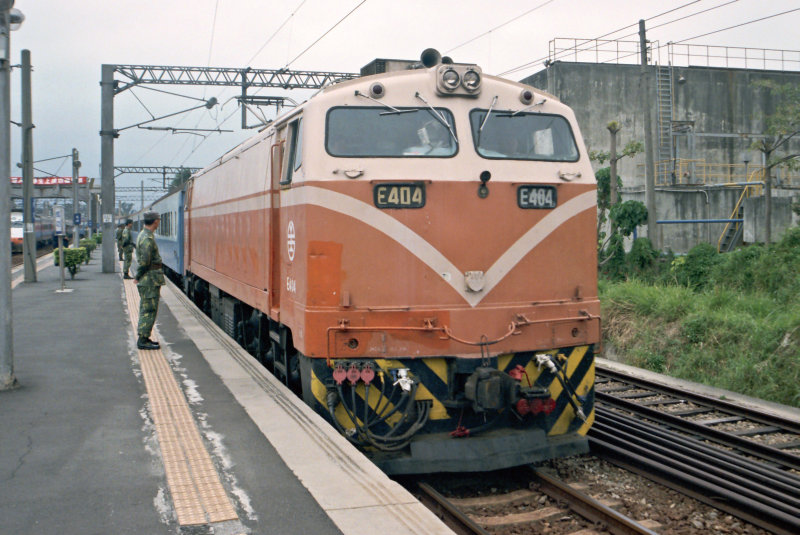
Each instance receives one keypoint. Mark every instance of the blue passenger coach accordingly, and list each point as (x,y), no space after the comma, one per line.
(169,235)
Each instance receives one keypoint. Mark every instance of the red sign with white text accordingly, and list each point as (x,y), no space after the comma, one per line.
(51,180)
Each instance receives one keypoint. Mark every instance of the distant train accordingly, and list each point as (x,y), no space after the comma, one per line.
(44,228)
(414,253)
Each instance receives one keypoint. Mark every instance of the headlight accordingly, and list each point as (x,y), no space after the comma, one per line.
(451,79)
(472,80)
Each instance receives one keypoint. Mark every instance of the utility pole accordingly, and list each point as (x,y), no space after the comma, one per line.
(650,180)
(107,135)
(76,214)
(142,182)
(7,378)
(29,230)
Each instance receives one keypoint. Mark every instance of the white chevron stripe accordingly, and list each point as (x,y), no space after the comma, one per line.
(426,252)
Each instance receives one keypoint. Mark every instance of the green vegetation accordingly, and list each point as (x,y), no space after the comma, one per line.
(90,245)
(727,320)
(72,259)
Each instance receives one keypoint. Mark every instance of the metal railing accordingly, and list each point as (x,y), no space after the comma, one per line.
(698,172)
(675,54)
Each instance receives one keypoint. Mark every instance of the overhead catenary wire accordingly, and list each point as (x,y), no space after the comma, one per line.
(321,37)
(722,30)
(587,41)
(506,23)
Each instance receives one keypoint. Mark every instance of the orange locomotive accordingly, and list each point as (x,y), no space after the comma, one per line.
(414,252)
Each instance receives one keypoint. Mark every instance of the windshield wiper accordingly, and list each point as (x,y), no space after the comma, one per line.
(529,107)
(394,110)
(438,116)
(485,119)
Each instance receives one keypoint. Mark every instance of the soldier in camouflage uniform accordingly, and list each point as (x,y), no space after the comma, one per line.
(126,242)
(118,237)
(149,279)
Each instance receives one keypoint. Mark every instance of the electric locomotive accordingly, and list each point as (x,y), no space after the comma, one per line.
(414,253)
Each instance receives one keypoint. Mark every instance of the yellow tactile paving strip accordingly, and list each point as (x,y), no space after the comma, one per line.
(197,493)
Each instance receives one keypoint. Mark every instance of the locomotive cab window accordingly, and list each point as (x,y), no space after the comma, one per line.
(374,132)
(295,159)
(522,136)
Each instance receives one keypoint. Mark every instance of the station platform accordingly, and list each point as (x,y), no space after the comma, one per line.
(194,438)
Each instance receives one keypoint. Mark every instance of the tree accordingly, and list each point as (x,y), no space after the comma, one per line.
(624,217)
(781,127)
(125,208)
(631,149)
(179,179)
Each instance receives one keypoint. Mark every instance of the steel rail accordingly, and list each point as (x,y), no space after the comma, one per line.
(446,511)
(764,452)
(633,448)
(777,480)
(589,508)
(791,426)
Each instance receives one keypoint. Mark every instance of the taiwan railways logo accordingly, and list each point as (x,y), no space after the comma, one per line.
(290,240)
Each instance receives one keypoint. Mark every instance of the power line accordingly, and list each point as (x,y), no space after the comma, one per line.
(326,33)
(576,49)
(213,31)
(737,25)
(501,25)
(271,37)
(722,29)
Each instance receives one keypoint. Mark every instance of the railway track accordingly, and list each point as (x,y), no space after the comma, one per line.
(703,447)
(17,258)
(547,503)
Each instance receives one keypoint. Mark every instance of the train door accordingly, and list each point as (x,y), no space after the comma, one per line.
(286,159)
(276,167)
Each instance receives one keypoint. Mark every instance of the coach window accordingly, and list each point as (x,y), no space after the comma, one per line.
(295,159)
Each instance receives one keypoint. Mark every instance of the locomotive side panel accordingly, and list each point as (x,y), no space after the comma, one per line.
(228,225)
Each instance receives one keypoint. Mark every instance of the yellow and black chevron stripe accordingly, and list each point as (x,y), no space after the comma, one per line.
(435,374)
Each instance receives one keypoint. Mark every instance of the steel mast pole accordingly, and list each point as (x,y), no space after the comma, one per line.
(7,378)
(29,229)
(76,229)
(107,135)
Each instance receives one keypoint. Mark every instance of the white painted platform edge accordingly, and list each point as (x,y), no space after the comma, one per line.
(358,497)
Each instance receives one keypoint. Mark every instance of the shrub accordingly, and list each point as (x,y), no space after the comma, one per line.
(90,245)
(98,238)
(72,259)
(694,270)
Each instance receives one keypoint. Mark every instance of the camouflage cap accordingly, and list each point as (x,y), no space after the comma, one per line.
(151,216)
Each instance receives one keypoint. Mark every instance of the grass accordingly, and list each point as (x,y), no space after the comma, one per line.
(736,325)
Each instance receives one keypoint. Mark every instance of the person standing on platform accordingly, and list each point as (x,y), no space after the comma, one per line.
(149,279)
(118,237)
(127,248)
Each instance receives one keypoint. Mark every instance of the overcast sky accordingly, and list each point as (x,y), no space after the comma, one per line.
(70,39)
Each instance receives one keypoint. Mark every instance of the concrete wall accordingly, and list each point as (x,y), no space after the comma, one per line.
(782,217)
(722,105)
(723,112)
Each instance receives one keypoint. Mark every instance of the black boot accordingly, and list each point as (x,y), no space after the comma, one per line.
(126,276)
(158,346)
(145,343)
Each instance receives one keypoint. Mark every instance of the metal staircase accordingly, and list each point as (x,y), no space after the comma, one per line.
(665,104)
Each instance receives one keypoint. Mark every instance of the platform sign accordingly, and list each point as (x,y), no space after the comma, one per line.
(58,211)
(76,219)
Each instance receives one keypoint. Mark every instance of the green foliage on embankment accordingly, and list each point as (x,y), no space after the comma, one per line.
(727,320)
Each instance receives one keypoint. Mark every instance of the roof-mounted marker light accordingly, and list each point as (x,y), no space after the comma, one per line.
(377,90)
(526,96)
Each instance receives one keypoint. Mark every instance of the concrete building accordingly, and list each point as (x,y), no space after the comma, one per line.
(707,109)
